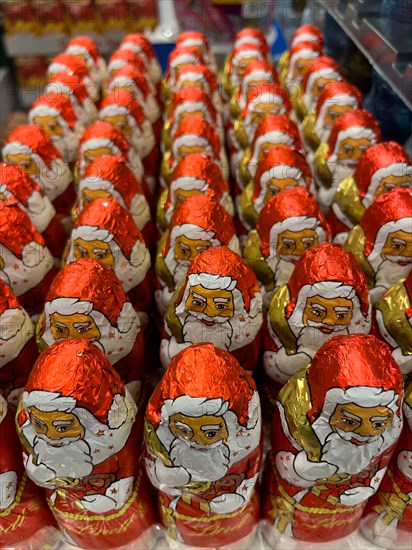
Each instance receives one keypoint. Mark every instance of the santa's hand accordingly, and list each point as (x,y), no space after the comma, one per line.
(171,476)
(356,495)
(312,471)
(226,503)
(280,366)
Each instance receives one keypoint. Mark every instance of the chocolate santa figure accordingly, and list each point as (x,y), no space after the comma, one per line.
(393,313)
(326,295)
(202,448)
(106,232)
(139,44)
(237,62)
(301,56)
(112,176)
(23,508)
(288,225)
(81,441)
(87,301)
(390,521)
(382,241)
(351,136)
(16,184)
(304,33)
(336,426)
(54,113)
(382,167)
(73,65)
(199,41)
(71,85)
(178,59)
(30,148)
(197,224)
(126,58)
(202,77)
(281,168)
(196,174)
(219,302)
(26,263)
(18,348)
(85,49)
(251,35)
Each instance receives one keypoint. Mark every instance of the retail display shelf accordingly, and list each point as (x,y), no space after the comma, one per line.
(386,44)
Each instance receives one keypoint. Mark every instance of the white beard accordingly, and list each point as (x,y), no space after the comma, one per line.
(282,269)
(202,464)
(339,170)
(220,334)
(67,145)
(178,268)
(310,338)
(388,273)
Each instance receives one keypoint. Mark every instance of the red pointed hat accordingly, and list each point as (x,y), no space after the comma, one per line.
(129,72)
(278,123)
(288,204)
(199,165)
(127,101)
(140,44)
(193,38)
(86,44)
(80,360)
(204,371)
(246,50)
(328,262)
(282,155)
(205,74)
(109,215)
(7,298)
(252,35)
(192,95)
(36,141)
(261,66)
(186,54)
(307,33)
(18,183)
(340,88)
(389,207)
(105,131)
(16,229)
(322,63)
(381,155)
(68,80)
(121,58)
(271,91)
(87,280)
(306,46)
(71,64)
(348,362)
(359,118)
(196,125)
(58,104)
(220,260)
(116,171)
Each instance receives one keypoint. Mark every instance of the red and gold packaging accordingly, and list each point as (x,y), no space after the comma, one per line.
(198,40)
(82,16)
(327,295)
(382,241)
(203,448)
(31,149)
(219,302)
(50,17)
(300,57)
(96,487)
(106,232)
(390,522)
(112,177)
(281,168)
(84,48)
(73,64)
(251,35)
(19,17)
(202,77)
(140,44)
(16,184)
(87,301)
(237,62)
(26,264)
(197,173)
(304,33)
(178,59)
(289,224)
(351,136)
(23,508)
(126,57)
(381,168)
(55,115)
(393,315)
(197,224)
(321,468)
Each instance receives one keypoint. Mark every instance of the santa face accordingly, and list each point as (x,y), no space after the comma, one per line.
(243,63)
(398,248)
(197,112)
(89,155)
(333,113)
(390,182)
(350,151)
(50,125)
(75,326)
(266,146)
(210,306)
(319,85)
(300,67)
(292,244)
(56,427)
(97,250)
(121,123)
(329,315)
(24,161)
(90,195)
(184,150)
(261,109)
(276,185)
(187,249)
(360,425)
(199,432)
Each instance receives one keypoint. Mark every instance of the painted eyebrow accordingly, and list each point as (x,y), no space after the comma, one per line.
(397,240)
(314,304)
(377,418)
(179,424)
(79,246)
(38,419)
(341,308)
(350,415)
(199,296)
(286,240)
(224,300)
(62,422)
(306,239)
(59,324)
(84,324)
(211,427)
(183,245)
(99,250)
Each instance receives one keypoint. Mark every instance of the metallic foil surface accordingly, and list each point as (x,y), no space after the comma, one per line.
(198,223)
(203,447)
(24,510)
(123,57)
(80,442)
(197,75)
(335,429)
(237,62)
(288,225)
(140,44)
(382,241)
(177,60)
(251,35)
(219,302)
(195,39)
(327,295)
(85,48)
(307,33)
(70,63)
(301,55)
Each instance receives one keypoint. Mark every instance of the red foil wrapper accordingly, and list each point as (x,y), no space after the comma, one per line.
(390,522)
(219,302)
(95,482)
(257,73)
(198,40)
(289,224)
(32,150)
(85,49)
(197,173)
(327,295)
(239,59)
(140,44)
(251,35)
(300,57)
(352,134)
(24,510)
(17,346)
(202,447)
(323,468)
(106,232)
(74,65)
(123,58)
(202,77)
(87,301)
(197,224)
(26,264)
(15,184)
(382,241)
(177,60)
(307,33)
